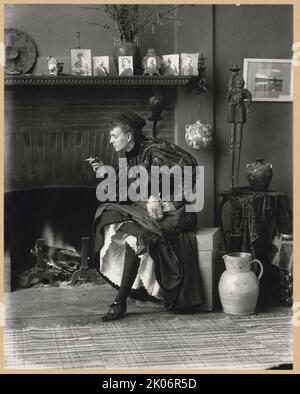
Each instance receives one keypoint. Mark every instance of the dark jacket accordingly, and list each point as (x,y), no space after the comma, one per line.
(160,153)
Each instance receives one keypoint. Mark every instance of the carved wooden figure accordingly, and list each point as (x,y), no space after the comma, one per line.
(237,108)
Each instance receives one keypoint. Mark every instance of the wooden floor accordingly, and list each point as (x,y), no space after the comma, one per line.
(80,305)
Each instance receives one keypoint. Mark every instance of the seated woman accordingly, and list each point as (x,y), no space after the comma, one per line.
(134,250)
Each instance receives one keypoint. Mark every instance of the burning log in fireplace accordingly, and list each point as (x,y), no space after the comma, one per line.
(60,259)
(53,264)
(56,264)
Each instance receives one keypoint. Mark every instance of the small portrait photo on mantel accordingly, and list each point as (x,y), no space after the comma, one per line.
(101,66)
(125,66)
(81,62)
(170,65)
(151,63)
(189,63)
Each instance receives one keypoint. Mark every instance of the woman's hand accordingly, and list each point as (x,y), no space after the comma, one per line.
(95,163)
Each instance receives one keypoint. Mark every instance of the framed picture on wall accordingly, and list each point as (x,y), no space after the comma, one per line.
(269,79)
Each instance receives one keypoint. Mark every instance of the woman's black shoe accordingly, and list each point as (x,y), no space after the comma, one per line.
(115,312)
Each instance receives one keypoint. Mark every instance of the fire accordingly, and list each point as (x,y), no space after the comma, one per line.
(56,240)
(57,254)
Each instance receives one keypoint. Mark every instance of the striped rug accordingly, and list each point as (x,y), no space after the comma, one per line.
(254,342)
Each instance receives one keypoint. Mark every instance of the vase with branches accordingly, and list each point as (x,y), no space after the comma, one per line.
(129,21)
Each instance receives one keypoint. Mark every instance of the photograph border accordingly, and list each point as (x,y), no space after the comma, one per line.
(296,190)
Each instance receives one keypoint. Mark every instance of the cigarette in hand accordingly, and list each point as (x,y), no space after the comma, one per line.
(92,159)
(95,162)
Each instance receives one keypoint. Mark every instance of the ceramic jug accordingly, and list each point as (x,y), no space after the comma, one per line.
(259,175)
(238,285)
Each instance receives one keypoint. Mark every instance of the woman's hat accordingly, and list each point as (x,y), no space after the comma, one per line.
(132,119)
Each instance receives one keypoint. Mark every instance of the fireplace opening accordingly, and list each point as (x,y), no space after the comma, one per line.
(59,216)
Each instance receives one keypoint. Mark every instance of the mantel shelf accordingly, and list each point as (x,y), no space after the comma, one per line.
(71,80)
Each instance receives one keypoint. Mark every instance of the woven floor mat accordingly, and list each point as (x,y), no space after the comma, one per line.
(255,342)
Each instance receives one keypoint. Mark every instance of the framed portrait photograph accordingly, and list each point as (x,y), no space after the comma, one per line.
(269,79)
(170,65)
(81,62)
(151,63)
(189,63)
(125,64)
(101,66)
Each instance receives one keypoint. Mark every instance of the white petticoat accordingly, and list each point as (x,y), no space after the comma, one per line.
(112,257)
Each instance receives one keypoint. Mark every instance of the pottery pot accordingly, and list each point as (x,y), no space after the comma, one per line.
(125,47)
(238,285)
(259,175)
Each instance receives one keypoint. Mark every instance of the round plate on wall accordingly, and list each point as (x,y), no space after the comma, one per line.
(20,52)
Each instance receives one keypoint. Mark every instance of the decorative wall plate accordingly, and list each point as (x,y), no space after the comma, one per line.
(20,52)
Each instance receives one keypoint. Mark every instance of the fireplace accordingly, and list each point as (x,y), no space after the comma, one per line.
(65,212)
(49,132)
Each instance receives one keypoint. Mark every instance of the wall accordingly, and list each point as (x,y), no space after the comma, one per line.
(53,29)
(191,107)
(253,31)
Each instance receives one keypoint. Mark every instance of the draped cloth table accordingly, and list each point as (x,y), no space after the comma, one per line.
(256,218)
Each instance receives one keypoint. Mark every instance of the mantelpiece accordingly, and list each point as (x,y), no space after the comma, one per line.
(71,80)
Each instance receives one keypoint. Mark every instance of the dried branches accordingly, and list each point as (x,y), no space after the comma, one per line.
(129,20)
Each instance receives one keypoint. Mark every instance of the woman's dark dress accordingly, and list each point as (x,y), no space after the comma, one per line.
(171,241)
